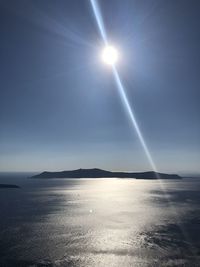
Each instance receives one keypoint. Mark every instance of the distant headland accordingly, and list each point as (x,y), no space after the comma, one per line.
(8,186)
(98,173)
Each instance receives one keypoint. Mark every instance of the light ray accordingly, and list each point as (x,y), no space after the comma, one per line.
(99,20)
(132,117)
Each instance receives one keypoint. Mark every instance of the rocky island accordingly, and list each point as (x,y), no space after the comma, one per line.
(99,173)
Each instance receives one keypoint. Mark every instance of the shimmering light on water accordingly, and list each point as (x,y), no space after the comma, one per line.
(100,222)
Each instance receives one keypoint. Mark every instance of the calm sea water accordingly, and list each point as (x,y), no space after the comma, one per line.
(100,222)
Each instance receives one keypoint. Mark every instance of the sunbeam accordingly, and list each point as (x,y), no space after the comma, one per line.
(132,117)
(109,60)
(99,19)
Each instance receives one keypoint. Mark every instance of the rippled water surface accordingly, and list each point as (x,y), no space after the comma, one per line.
(100,222)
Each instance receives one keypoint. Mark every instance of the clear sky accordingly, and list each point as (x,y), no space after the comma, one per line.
(59,106)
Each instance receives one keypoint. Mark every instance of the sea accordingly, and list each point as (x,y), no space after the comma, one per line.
(99,222)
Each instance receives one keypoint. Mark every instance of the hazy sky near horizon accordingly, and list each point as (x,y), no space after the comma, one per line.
(59,105)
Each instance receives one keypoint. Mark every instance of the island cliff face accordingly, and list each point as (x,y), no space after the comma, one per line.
(98,173)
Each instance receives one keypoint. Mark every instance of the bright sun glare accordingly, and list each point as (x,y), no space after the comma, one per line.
(110,55)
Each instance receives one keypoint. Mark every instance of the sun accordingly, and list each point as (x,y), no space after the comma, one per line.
(110,55)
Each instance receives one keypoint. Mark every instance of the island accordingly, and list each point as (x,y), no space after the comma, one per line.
(99,173)
(8,186)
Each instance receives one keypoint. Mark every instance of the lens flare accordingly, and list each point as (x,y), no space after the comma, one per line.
(99,19)
(110,56)
(132,117)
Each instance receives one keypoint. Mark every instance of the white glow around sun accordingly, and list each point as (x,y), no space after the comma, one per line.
(110,55)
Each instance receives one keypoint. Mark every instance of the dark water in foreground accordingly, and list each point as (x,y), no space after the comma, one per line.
(100,222)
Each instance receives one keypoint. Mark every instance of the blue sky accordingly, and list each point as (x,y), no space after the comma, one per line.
(59,106)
